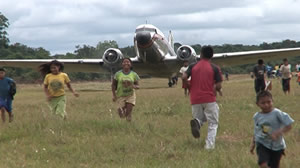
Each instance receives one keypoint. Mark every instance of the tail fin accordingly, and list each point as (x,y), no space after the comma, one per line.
(171,39)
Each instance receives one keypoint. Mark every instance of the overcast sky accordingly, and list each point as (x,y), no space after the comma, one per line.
(60,25)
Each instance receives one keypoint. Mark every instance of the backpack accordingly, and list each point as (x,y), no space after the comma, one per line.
(13,89)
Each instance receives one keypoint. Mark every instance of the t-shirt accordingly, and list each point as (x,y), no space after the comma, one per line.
(266,123)
(259,71)
(286,71)
(183,69)
(298,77)
(5,87)
(298,67)
(125,83)
(56,83)
(204,76)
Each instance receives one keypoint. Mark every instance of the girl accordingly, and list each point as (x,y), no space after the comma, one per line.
(123,89)
(54,87)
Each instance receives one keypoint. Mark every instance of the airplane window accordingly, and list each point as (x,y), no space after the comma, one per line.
(145,29)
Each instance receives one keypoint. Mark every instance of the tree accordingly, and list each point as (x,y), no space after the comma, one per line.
(85,52)
(3,34)
(102,46)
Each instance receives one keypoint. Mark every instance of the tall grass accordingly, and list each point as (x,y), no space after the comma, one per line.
(158,136)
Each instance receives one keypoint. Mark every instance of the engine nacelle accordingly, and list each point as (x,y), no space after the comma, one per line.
(112,57)
(186,53)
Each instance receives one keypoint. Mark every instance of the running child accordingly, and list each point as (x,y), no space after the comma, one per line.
(269,126)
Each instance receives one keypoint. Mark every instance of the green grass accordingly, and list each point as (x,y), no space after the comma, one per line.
(158,136)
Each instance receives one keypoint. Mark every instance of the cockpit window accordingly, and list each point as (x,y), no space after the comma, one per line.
(145,29)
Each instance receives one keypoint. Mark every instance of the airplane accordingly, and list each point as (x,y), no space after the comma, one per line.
(155,56)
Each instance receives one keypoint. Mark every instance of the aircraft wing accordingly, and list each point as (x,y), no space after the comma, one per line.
(71,65)
(248,57)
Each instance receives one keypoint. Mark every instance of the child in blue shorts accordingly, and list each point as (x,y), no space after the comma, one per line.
(7,85)
(269,126)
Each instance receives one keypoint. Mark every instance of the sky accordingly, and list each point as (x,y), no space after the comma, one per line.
(59,25)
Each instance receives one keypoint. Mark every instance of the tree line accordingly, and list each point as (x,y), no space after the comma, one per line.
(21,51)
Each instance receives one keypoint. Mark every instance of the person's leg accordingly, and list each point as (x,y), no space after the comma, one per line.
(256,86)
(129,108)
(288,85)
(212,114)
(3,110)
(122,111)
(129,103)
(9,109)
(185,91)
(284,85)
(199,119)
(121,106)
(275,158)
(263,155)
(61,107)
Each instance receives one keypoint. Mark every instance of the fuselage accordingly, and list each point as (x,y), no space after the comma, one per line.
(150,44)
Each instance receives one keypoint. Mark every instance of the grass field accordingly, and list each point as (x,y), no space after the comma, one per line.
(158,136)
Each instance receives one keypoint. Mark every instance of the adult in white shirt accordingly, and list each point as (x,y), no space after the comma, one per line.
(182,71)
(286,76)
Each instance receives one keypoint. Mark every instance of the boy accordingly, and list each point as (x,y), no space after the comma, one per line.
(7,86)
(206,79)
(259,72)
(269,125)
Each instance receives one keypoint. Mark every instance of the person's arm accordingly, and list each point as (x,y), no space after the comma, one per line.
(46,91)
(276,134)
(136,85)
(72,90)
(186,75)
(254,72)
(252,146)
(265,72)
(218,79)
(218,88)
(113,89)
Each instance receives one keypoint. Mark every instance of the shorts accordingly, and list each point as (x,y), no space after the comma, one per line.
(286,84)
(121,101)
(267,155)
(259,85)
(6,103)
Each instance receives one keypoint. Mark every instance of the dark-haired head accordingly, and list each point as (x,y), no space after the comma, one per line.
(207,52)
(262,94)
(2,73)
(46,68)
(2,69)
(260,62)
(127,59)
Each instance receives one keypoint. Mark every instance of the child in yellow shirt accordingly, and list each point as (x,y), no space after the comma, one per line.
(54,87)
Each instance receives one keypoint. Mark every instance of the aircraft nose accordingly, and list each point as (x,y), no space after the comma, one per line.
(143,38)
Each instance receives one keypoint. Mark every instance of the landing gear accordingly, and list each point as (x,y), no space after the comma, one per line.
(170,84)
(173,81)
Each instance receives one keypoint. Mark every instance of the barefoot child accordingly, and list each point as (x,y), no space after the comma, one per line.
(6,96)
(125,82)
(269,126)
(54,87)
